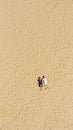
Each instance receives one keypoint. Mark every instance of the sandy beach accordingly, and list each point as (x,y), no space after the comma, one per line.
(36,39)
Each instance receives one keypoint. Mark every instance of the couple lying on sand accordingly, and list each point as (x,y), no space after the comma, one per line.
(42,82)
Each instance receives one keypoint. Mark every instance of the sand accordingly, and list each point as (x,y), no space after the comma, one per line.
(36,39)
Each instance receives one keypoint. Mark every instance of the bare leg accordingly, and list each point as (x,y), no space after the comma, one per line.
(46,87)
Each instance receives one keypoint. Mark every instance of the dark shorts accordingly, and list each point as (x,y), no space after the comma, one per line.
(40,84)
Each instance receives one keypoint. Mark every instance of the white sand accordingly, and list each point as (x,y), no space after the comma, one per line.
(36,38)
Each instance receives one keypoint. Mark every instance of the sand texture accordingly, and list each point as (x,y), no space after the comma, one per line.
(36,39)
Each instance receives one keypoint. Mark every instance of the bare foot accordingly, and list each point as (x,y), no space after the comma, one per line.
(46,88)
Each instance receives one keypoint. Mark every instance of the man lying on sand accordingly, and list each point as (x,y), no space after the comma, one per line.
(40,83)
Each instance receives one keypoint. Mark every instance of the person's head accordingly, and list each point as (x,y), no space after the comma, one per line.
(39,77)
(43,76)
